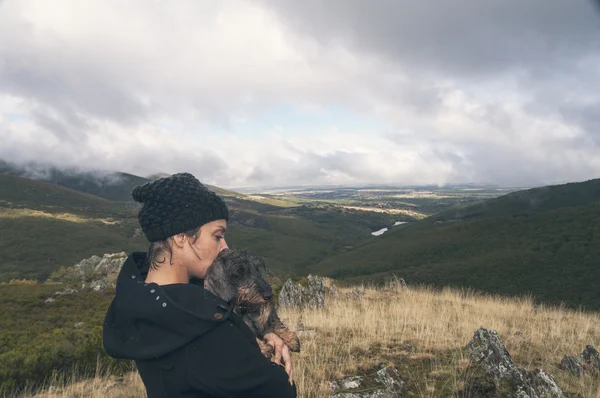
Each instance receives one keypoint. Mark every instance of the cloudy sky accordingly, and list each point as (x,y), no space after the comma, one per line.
(283,92)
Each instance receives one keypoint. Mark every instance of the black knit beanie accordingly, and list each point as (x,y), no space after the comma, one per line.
(176,204)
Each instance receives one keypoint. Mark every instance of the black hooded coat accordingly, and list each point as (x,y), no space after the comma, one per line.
(185,341)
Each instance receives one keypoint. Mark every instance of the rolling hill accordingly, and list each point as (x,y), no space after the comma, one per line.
(44,226)
(114,186)
(536,200)
(547,246)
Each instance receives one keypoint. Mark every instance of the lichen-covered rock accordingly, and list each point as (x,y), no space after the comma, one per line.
(291,295)
(315,293)
(103,266)
(486,348)
(390,378)
(95,272)
(501,375)
(385,383)
(296,296)
(543,384)
(571,364)
(352,382)
(591,356)
(354,294)
(587,362)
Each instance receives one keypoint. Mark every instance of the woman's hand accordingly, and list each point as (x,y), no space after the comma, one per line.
(281,352)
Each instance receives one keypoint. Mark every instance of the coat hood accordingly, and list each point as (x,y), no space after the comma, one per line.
(146,320)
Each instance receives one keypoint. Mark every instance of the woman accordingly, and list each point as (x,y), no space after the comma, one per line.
(185,341)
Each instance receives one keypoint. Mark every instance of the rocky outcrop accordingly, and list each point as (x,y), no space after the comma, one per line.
(96,273)
(315,293)
(296,296)
(500,374)
(385,383)
(587,362)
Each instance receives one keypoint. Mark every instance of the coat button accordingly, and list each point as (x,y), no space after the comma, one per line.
(218,316)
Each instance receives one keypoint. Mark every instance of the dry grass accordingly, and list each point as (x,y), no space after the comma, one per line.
(21,213)
(357,335)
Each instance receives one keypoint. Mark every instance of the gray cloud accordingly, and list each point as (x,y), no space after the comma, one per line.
(462,91)
(71,92)
(464,38)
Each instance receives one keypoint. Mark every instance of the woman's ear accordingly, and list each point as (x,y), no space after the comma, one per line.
(179,240)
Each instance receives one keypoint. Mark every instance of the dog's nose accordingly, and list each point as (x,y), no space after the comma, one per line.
(268,295)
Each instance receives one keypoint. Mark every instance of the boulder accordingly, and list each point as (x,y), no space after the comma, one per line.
(296,296)
(291,295)
(315,293)
(385,383)
(591,356)
(501,375)
(572,365)
(100,273)
(587,362)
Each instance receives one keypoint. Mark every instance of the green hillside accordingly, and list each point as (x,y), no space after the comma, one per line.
(39,338)
(551,254)
(536,200)
(114,186)
(44,226)
(19,193)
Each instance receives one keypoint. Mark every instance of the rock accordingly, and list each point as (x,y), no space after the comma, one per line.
(486,348)
(587,361)
(315,294)
(291,295)
(355,294)
(49,300)
(295,296)
(543,384)
(390,378)
(87,265)
(501,374)
(406,347)
(385,383)
(346,384)
(591,356)
(105,265)
(571,364)
(79,324)
(100,273)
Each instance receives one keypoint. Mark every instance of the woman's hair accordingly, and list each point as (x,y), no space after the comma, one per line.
(157,252)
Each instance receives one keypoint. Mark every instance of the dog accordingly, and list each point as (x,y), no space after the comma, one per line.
(236,276)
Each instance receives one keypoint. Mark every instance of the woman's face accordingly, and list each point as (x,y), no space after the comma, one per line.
(202,252)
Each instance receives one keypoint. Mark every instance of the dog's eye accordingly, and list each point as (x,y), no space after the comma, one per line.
(240,271)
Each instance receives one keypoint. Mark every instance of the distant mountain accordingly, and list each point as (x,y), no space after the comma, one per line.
(536,200)
(543,241)
(114,186)
(111,185)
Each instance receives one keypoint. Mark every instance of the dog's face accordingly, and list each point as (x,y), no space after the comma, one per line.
(239,278)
